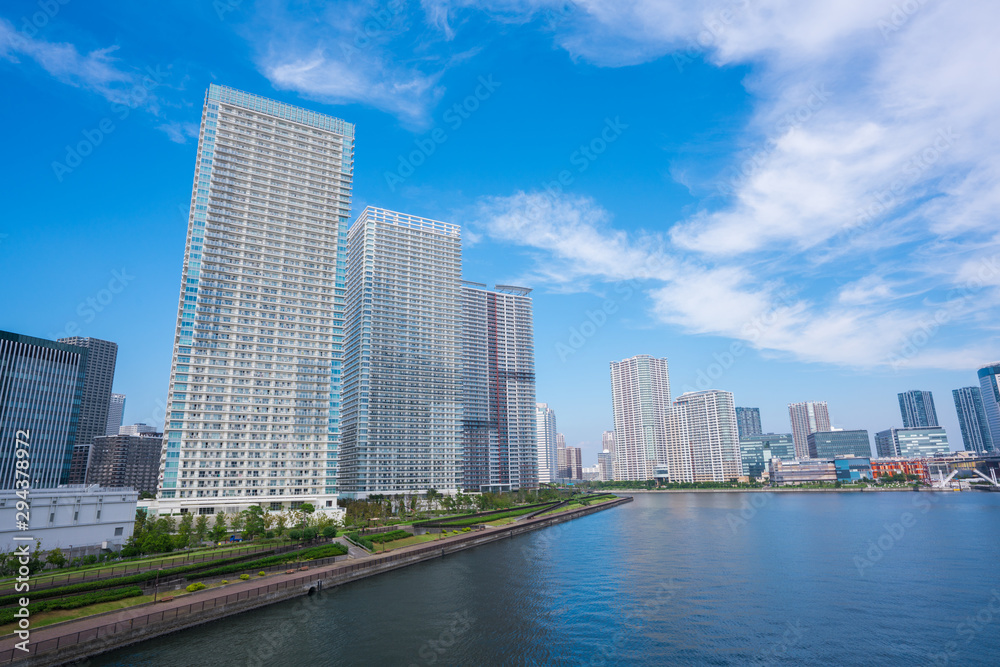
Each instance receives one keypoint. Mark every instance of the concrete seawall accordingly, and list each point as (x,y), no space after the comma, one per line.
(91,636)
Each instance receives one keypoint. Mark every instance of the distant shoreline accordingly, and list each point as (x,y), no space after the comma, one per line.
(781,489)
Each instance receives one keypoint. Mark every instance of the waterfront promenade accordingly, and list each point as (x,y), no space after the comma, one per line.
(71,640)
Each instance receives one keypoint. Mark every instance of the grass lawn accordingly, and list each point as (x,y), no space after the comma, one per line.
(159,561)
(571,506)
(41,619)
(406,542)
(503,522)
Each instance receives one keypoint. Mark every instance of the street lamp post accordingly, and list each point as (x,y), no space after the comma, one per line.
(156,584)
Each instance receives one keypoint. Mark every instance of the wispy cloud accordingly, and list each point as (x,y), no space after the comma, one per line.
(351,53)
(97,71)
(873,151)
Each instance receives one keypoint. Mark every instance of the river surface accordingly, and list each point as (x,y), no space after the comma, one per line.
(671,579)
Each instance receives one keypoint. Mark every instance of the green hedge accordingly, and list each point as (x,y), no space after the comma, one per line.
(486,519)
(363,541)
(312,553)
(7,615)
(117,581)
(390,536)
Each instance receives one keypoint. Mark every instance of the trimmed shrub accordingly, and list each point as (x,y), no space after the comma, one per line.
(295,534)
(262,574)
(74,602)
(269,534)
(363,541)
(224,582)
(309,534)
(244,577)
(329,531)
(388,537)
(324,551)
(196,587)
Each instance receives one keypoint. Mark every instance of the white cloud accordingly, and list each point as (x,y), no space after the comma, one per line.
(351,53)
(878,154)
(97,70)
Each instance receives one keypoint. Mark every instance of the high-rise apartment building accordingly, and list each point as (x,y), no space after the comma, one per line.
(402,423)
(99,376)
(605,466)
(834,444)
(116,414)
(498,389)
(748,422)
(562,457)
(545,435)
(640,389)
(972,419)
(806,418)
(41,390)
(713,435)
(126,461)
(254,395)
(574,463)
(917,408)
(990,390)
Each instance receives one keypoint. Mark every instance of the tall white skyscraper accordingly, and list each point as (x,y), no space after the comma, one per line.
(545,429)
(640,388)
(806,418)
(498,389)
(254,395)
(713,435)
(402,423)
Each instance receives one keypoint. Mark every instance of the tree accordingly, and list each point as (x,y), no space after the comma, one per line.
(254,523)
(184,530)
(281,523)
(201,528)
(303,513)
(55,558)
(236,523)
(219,530)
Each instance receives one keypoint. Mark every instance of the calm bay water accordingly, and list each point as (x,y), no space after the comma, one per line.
(680,579)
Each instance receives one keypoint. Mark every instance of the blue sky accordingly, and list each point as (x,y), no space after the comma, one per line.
(788,200)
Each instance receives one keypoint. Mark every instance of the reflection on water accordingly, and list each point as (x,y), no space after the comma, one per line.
(681,579)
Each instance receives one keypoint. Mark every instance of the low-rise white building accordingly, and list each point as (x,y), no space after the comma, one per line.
(76,519)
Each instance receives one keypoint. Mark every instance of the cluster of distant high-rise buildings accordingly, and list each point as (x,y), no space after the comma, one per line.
(704,437)
(313,360)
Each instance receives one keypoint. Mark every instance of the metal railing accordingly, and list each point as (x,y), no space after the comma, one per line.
(453,544)
(54,580)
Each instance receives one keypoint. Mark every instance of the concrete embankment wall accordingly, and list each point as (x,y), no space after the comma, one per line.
(76,645)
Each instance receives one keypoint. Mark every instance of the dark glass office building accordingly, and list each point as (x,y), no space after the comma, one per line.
(834,444)
(748,422)
(972,419)
(988,384)
(917,409)
(41,388)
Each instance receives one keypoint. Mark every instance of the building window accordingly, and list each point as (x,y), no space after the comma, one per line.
(98,515)
(119,531)
(52,517)
(206,510)
(76,516)
(275,507)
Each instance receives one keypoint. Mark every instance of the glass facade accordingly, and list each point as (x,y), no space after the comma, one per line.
(756,451)
(748,422)
(498,389)
(402,417)
(990,391)
(917,408)
(830,444)
(254,401)
(806,418)
(972,419)
(41,389)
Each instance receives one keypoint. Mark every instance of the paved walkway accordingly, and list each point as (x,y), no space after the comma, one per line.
(91,622)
